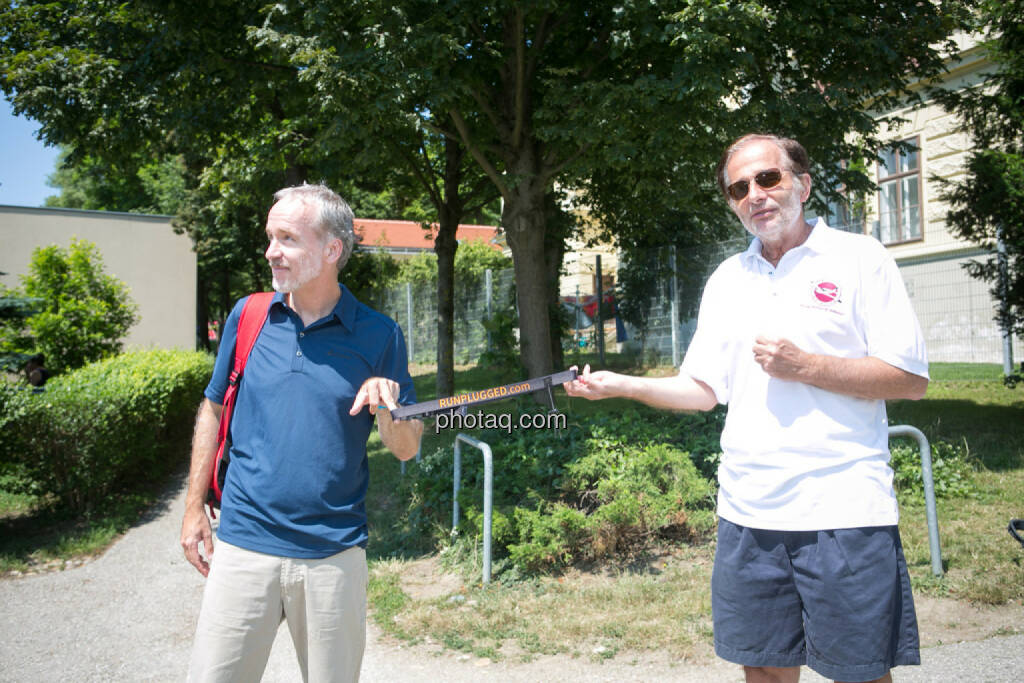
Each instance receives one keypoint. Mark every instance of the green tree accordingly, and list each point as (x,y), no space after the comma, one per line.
(83,314)
(987,202)
(13,311)
(625,104)
(144,185)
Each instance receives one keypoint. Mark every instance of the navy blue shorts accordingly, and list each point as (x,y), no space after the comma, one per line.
(838,601)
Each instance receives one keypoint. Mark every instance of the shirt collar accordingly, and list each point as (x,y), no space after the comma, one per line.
(344,310)
(816,241)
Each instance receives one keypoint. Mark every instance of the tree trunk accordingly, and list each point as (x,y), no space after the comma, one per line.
(445,246)
(202,313)
(449,214)
(555,253)
(524,222)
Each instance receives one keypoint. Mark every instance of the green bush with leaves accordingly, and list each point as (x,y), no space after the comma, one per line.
(103,428)
(83,314)
(604,485)
(952,473)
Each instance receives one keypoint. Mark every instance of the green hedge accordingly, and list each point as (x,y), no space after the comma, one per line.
(114,425)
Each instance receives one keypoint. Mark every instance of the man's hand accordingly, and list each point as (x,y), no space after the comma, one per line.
(195,529)
(681,392)
(781,358)
(376,392)
(402,437)
(867,377)
(594,386)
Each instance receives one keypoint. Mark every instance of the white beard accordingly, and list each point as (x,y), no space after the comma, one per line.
(788,215)
(298,275)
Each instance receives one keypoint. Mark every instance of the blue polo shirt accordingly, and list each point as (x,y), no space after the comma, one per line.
(298,475)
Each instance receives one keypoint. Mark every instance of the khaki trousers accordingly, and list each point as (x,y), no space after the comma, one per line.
(248,594)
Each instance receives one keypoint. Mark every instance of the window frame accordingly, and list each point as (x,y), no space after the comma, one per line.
(845,208)
(897,179)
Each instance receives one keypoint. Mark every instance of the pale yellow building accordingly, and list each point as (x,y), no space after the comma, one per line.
(157,265)
(907,214)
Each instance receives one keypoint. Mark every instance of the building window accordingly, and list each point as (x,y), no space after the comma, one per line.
(899,195)
(843,211)
(842,216)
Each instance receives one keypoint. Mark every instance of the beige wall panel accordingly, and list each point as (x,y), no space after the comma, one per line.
(158,265)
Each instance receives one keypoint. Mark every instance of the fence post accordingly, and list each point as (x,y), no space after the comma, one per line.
(675,306)
(929,490)
(409,342)
(1004,304)
(461,438)
(599,323)
(487,289)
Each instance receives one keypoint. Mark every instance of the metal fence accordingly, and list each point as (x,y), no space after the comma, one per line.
(956,311)
(414,307)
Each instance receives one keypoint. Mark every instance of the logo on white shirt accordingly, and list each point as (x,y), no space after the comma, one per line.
(826,292)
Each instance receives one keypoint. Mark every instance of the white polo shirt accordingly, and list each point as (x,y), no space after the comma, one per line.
(795,457)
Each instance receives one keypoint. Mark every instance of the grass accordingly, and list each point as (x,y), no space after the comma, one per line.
(660,603)
(35,535)
(982,563)
(663,604)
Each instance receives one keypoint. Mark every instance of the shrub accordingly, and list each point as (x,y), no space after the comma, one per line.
(952,474)
(604,485)
(83,314)
(105,427)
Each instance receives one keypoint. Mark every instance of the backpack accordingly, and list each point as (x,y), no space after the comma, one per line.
(254,314)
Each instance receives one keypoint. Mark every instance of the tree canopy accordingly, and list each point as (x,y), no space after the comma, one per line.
(624,106)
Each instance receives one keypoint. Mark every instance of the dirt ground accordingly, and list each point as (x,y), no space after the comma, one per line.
(940,620)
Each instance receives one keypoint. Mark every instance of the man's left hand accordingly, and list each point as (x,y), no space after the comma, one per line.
(781,358)
(376,392)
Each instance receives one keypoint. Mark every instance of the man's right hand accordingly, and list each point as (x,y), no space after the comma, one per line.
(196,529)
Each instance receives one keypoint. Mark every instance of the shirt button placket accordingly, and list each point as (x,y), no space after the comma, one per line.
(297,360)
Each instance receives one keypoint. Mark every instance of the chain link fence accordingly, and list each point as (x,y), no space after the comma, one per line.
(956,311)
(414,307)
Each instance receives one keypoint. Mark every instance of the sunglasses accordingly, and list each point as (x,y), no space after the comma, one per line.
(765,179)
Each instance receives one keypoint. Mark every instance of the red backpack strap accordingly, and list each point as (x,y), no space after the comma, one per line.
(250,322)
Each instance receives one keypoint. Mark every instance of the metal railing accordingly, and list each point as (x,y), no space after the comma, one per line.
(484,448)
(929,490)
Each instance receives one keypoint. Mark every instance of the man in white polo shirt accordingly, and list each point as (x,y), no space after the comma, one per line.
(804,335)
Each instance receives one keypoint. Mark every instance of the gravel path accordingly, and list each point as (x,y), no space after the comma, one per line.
(129,615)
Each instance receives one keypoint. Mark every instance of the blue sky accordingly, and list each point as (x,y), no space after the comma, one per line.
(25,162)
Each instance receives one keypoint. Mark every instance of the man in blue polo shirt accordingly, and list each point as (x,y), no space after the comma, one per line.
(292,533)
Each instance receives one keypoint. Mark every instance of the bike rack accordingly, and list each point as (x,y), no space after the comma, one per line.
(929,490)
(484,448)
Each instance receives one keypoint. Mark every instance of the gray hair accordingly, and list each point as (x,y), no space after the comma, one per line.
(333,214)
(799,162)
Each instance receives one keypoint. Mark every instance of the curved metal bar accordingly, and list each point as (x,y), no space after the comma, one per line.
(929,490)
(484,448)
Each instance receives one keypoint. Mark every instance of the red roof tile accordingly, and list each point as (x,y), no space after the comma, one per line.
(411,235)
